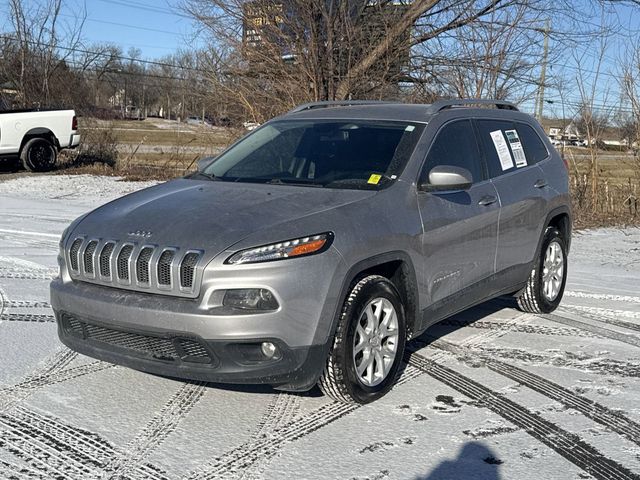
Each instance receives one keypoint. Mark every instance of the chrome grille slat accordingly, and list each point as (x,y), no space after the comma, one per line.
(187,269)
(87,257)
(142,264)
(105,259)
(131,266)
(164,268)
(123,262)
(74,250)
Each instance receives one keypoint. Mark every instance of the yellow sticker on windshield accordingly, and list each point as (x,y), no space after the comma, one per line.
(374,179)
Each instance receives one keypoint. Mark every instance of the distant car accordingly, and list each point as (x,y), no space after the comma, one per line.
(36,136)
(313,249)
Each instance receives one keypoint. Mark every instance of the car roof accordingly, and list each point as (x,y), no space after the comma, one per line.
(418,113)
(382,111)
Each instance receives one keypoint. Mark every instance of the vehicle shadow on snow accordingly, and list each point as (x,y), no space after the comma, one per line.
(466,317)
(474,461)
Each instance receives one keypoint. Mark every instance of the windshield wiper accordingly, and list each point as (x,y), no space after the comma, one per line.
(296,182)
(210,176)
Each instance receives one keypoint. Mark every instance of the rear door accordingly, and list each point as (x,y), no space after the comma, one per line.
(459,227)
(511,156)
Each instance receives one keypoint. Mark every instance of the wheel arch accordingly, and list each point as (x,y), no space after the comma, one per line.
(40,132)
(398,268)
(560,218)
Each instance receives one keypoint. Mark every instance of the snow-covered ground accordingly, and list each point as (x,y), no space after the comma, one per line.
(488,394)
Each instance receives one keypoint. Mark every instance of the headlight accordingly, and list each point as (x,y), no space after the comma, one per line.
(298,247)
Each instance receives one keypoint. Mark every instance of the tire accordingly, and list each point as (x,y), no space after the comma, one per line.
(539,296)
(340,379)
(38,155)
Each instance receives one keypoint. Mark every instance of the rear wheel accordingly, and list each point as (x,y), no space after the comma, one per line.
(38,155)
(545,286)
(369,343)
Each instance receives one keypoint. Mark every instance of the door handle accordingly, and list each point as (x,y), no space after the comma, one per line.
(541,183)
(487,200)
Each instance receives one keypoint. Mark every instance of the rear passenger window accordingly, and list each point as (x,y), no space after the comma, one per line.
(502,146)
(454,145)
(534,147)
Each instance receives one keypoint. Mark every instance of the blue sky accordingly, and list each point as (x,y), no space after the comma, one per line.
(156,28)
(159,28)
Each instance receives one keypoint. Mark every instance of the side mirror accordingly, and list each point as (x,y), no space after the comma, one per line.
(204,162)
(447,177)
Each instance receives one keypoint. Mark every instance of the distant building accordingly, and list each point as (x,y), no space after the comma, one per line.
(265,18)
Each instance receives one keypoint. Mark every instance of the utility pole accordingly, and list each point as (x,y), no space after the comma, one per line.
(543,73)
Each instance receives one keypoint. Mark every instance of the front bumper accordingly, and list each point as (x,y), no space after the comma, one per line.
(174,354)
(301,327)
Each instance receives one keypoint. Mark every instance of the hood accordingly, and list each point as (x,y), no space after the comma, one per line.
(209,215)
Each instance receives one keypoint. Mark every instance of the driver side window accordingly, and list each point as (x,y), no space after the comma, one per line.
(455,144)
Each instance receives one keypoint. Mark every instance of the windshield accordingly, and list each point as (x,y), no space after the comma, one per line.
(339,154)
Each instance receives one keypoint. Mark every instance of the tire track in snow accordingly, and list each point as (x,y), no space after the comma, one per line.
(156,431)
(614,420)
(595,329)
(282,410)
(53,371)
(233,462)
(246,457)
(14,472)
(26,304)
(519,328)
(602,318)
(595,365)
(242,458)
(566,444)
(27,317)
(48,274)
(602,296)
(53,447)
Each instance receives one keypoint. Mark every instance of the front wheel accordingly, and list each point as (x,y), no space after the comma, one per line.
(38,155)
(369,343)
(545,286)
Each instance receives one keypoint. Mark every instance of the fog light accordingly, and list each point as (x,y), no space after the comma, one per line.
(250,299)
(269,350)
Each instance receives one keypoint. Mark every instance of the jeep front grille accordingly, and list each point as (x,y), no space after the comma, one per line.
(147,268)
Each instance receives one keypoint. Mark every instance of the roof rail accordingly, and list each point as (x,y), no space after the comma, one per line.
(440,105)
(336,103)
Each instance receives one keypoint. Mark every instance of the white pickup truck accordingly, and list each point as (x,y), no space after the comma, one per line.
(36,136)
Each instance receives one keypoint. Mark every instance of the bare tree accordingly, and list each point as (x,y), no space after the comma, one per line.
(42,45)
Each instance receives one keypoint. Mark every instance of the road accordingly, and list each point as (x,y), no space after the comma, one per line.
(487,394)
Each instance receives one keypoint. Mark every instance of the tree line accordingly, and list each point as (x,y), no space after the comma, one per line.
(262,57)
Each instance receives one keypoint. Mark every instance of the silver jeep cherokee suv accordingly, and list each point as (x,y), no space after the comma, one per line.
(313,249)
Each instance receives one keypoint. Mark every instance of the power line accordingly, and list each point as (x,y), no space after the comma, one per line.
(106,54)
(146,7)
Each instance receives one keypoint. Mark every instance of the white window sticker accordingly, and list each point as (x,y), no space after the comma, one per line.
(503,150)
(516,148)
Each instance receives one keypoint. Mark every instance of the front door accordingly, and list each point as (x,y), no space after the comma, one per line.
(460,228)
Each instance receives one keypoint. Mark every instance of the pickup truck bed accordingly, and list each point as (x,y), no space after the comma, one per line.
(36,136)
